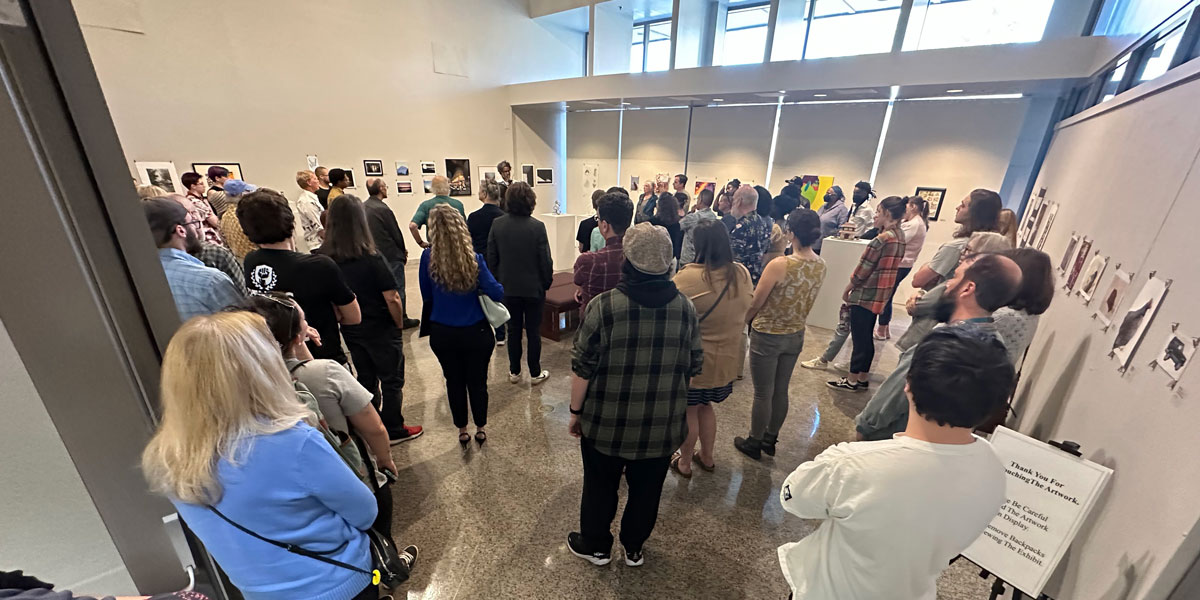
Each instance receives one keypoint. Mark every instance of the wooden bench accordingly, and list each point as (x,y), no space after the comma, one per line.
(560,315)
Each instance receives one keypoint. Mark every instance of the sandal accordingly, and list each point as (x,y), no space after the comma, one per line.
(464,438)
(706,468)
(675,466)
(480,437)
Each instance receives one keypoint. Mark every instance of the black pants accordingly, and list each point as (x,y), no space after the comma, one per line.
(526,316)
(862,322)
(601,480)
(383,500)
(885,317)
(378,352)
(464,353)
(397,269)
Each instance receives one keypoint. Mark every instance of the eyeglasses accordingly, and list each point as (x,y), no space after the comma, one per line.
(192,222)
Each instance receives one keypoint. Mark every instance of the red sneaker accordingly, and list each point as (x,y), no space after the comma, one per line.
(405,434)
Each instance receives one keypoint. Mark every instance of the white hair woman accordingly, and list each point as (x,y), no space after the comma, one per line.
(233,439)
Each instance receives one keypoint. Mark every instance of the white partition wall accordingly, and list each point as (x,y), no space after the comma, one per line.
(653,141)
(837,140)
(591,139)
(732,141)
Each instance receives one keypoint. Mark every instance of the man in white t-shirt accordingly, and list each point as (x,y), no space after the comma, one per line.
(897,511)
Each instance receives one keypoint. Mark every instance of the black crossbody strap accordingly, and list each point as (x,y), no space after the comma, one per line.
(714,305)
(294,549)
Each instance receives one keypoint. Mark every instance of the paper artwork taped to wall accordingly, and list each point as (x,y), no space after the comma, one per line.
(1176,354)
(813,188)
(161,174)
(933,196)
(545,176)
(591,177)
(235,169)
(312,162)
(373,168)
(1091,277)
(403,187)
(428,167)
(1111,300)
(1069,254)
(458,171)
(428,183)
(704,184)
(1137,319)
(1085,250)
(487,174)
(1028,231)
(634,182)
(402,168)
(1050,210)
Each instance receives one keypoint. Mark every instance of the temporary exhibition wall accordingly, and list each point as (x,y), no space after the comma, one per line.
(1144,530)
(392,81)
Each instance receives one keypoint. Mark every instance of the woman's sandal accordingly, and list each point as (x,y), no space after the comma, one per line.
(704,467)
(675,458)
(464,438)
(480,437)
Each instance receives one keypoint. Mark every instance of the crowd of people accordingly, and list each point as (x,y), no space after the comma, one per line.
(676,295)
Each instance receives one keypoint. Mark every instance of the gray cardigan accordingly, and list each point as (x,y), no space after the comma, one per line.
(518,254)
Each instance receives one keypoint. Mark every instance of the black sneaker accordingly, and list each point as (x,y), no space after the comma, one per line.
(411,323)
(634,559)
(748,446)
(767,445)
(409,556)
(845,385)
(575,545)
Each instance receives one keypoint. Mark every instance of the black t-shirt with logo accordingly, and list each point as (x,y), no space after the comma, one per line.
(316,283)
(369,277)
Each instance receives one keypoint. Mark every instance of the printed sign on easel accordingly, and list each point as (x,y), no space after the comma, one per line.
(1049,494)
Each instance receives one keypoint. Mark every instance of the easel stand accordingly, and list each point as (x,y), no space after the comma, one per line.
(998,586)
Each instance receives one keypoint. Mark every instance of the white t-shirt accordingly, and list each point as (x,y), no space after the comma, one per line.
(337,392)
(896,511)
(914,239)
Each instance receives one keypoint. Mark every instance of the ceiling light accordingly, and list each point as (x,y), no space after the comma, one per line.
(953,91)
(782,91)
(819,95)
(625,103)
(718,99)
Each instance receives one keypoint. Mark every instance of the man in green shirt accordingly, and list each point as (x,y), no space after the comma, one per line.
(441,187)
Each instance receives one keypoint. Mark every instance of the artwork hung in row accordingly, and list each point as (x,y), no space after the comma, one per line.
(527,173)
(704,184)
(312,162)
(458,171)
(373,168)
(428,183)
(1085,252)
(428,167)
(1137,319)
(403,187)
(591,176)
(402,168)
(634,182)
(545,176)
(349,178)
(1176,354)
(813,187)
(487,174)
(161,174)
(1069,254)
(235,169)
(1091,277)
(661,179)
(934,196)
(1028,229)
(1050,211)
(1112,297)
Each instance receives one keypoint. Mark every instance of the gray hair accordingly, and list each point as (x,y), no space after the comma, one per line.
(440,185)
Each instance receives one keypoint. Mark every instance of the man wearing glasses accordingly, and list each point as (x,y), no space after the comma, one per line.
(197,289)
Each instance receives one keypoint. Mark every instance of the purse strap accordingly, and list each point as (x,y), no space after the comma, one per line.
(294,549)
(714,305)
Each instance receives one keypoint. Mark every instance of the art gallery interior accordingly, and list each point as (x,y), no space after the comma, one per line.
(1080,113)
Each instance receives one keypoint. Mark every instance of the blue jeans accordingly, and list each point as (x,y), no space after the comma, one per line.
(840,335)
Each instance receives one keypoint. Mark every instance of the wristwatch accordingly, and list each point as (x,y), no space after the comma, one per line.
(575,412)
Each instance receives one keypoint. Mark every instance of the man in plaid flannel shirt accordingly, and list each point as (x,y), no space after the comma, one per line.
(870,289)
(600,271)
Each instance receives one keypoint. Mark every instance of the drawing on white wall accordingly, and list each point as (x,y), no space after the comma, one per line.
(1051,209)
(527,173)
(1138,318)
(403,187)
(1069,254)
(545,176)
(161,174)
(1028,228)
(373,168)
(634,182)
(1085,250)
(312,162)
(1176,353)
(428,167)
(591,173)
(1111,299)
(402,168)
(1091,277)
(428,183)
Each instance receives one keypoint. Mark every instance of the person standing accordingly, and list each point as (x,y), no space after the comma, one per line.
(896,512)
(862,214)
(679,185)
(480,226)
(646,203)
(518,253)
(600,271)
(217,176)
(914,226)
(441,190)
(210,224)
(504,168)
(231,227)
(978,211)
(196,288)
(212,255)
(870,287)
(323,190)
(388,240)
(833,214)
(635,352)
(725,198)
(583,237)
(721,292)
(688,224)
(309,233)
(781,207)
(452,278)
(376,342)
(666,215)
(777,318)
(314,280)
(339,180)
(748,232)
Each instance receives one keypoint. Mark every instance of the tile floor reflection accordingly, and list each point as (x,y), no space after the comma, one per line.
(492,522)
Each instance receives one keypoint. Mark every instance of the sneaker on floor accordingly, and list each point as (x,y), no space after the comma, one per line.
(409,556)
(846,385)
(411,323)
(748,446)
(842,366)
(634,559)
(514,378)
(576,546)
(501,342)
(816,363)
(540,377)
(406,433)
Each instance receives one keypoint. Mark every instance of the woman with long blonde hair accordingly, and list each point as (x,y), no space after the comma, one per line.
(234,446)
(453,276)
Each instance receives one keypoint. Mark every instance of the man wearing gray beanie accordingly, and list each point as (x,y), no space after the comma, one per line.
(636,350)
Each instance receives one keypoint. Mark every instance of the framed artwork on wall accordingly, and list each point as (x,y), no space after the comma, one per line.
(402,168)
(349,178)
(161,174)
(458,171)
(545,176)
(428,167)
(527,173)
(235,169)
(934,196)
(403,187)
(1137,319)
(373,168)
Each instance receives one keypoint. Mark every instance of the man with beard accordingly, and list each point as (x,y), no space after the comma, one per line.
(981,285)
(197,289)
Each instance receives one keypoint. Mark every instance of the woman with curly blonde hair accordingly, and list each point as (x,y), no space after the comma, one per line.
(453,276)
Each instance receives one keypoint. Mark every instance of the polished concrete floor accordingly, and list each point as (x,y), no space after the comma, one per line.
(492,521)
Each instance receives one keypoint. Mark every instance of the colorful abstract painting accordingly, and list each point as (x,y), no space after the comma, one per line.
(812,188)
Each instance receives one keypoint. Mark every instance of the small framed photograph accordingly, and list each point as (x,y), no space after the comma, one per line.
(373,168)
(428,167)
(161,174)
(934,196)
(403,187)
(350,177)
(402,168)
(545,176)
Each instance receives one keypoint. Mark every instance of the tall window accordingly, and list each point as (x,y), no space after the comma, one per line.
(651,48)
(1134,17)
(1159,58)
(745,35)
(852,27)
(956,23)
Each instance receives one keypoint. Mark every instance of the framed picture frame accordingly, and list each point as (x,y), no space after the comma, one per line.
(935,197)
(373,168)
(235,169)
(161,174)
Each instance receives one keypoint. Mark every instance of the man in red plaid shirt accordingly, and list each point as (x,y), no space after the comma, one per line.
(870,289)
(600,271)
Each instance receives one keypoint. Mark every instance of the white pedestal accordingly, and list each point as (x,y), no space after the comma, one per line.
(560,230)
(841,258)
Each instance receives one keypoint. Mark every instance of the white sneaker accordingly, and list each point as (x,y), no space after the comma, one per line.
(514,378)
(540,377)
(816,363)
(842,366)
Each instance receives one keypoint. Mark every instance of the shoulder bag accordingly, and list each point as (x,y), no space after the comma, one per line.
(495,313)
(714,305)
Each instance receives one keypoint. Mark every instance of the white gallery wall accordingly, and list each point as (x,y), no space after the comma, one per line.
(257,91)
(1145,530)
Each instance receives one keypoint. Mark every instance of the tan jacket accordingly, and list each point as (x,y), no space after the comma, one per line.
(720,333)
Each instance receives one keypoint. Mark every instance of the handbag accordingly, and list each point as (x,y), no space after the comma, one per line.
(495,313)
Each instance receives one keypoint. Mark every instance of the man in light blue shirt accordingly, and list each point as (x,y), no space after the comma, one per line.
(688,223)
(197,289)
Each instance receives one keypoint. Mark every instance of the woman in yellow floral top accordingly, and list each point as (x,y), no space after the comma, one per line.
(777,317)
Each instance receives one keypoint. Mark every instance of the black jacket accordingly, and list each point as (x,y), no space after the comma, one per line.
(385,230)
(518,254)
